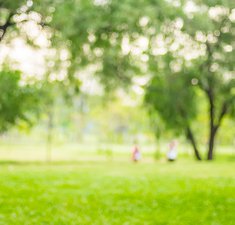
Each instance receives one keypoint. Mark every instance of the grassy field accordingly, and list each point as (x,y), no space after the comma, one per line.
(114,193)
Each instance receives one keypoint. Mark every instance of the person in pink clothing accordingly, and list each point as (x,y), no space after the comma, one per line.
(136,156)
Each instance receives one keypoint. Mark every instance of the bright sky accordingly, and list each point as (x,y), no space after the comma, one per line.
(24,57)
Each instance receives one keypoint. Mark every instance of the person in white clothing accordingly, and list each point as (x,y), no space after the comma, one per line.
(172,153)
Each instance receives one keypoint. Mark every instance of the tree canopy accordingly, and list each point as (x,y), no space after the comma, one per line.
(182,47)
(18,101)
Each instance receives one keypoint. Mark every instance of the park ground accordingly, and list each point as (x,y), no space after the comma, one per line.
(185,192)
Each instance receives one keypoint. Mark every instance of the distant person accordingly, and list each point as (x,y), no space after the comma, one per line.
(172,153)
(136,156)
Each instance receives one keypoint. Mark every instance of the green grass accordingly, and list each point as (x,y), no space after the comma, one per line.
(105,193)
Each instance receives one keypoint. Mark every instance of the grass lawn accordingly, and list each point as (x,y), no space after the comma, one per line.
(181,193)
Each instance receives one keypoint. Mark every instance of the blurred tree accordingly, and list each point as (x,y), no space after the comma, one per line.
(199,47)
(19,19)
(52,94)
(157,127)
(213,28)
(18,102)
(15,13)
(185,46)
(7,10)
(107,35)
(174,98)
(193,38)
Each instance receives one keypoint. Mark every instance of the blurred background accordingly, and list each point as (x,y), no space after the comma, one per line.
(96,96)
(84,80)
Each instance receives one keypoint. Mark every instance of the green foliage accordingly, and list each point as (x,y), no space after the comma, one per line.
(106,36)
(14,15)
(11,5)
(173,97)
(18,102)
(95,32)
(208,34)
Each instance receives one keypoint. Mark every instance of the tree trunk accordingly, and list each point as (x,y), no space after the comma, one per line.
(158,150)
(214,128)
(211,99)
(49,135)
(4,27)
(211,144)
(191,138)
